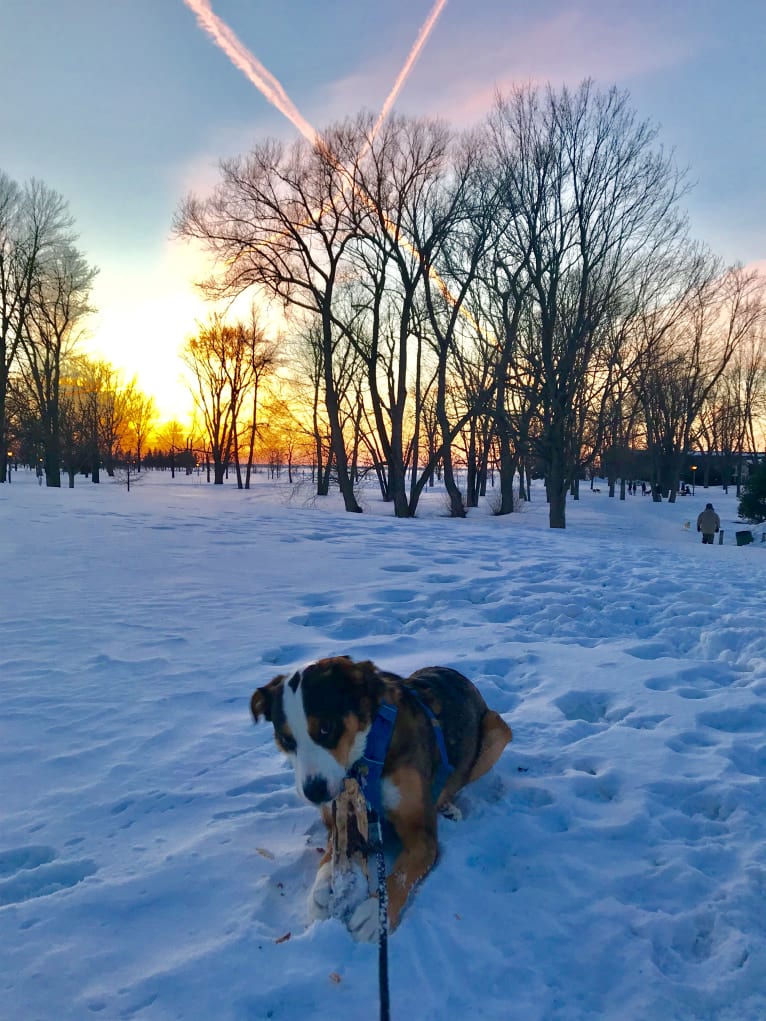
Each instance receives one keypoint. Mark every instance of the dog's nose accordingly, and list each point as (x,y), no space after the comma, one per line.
(315,789)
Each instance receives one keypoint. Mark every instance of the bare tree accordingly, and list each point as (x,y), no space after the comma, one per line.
(34,222)
(141,416)
(275,220)
(688,352)
(79,402)
(221,361)
(58,302)
(587,201)
(306,353)
(397,177)
(727,421)
(261,355)
(172,440)
(415,232)
(460,238)
(116,399)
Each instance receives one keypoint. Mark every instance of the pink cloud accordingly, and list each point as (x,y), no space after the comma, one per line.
(459,71)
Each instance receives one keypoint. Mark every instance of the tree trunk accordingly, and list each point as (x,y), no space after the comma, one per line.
(457,510)
(471,483)
(397,488)
(52,464)
(507,472)
(556,484)
(4,469)
(337,438)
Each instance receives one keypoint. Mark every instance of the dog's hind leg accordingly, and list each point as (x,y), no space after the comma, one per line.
(495,735)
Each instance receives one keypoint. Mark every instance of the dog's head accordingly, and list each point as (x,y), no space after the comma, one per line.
(321,717)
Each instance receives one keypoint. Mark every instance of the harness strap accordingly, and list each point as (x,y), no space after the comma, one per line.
(368,771)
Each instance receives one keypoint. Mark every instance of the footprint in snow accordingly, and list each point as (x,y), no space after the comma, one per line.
(750,718)
(590,706)
(33,871)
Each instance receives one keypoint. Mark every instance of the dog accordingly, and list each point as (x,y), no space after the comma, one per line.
(438,736)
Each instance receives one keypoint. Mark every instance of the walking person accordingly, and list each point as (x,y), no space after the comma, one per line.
(708,523)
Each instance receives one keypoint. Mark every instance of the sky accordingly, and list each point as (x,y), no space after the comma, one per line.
(156,860)
(125,107)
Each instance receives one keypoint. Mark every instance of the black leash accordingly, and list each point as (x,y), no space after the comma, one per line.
(368,773)
(377,847)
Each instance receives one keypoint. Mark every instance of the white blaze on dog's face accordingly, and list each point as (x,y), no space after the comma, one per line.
(318,773)
(321,716)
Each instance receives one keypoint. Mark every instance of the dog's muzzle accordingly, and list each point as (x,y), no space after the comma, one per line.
(315,789)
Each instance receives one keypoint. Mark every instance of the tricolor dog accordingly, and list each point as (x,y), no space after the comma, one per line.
(432,733)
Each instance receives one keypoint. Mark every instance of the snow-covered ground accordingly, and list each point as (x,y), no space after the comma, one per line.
(154,855)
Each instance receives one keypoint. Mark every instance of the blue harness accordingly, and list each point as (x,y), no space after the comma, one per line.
(368,771)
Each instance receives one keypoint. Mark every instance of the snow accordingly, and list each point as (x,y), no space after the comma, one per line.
(154,854)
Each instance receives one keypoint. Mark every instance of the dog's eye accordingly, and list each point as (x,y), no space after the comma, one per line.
(327,733)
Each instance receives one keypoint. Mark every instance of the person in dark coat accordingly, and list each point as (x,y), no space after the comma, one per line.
(708,523)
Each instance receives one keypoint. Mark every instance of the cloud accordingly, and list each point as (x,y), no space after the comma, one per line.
(565,49)
(463,65)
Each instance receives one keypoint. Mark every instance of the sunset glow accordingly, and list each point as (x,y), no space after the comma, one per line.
(173,108)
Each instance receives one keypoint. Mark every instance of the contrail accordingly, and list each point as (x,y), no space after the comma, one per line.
(404,74)
(254,70)
(272,89)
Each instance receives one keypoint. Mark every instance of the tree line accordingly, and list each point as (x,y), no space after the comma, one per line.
(59,409)
(523,293)
(521,297)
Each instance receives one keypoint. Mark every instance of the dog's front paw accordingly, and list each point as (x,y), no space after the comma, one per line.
(363,924)
(321,893)
(450,811)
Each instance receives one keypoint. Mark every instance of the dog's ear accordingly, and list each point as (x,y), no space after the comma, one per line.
(262,701)
(367,676)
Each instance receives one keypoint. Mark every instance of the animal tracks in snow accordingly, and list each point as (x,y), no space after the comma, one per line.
(158,853)
(35,871)
(590,707)
(747,719)
(18,858)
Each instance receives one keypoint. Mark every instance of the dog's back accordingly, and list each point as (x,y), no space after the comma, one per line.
(459,709)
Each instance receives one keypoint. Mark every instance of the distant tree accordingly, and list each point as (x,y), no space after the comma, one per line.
(690,344)
(115,401)
(261,358)
(284,432)
(34,224)
(59,301)
(275,221)
(416,235)
(588,201)
(141,417)
(78,417)
(729,418)
(171,441)
(308,351)
(752,506)
(221,365)
(92,384)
